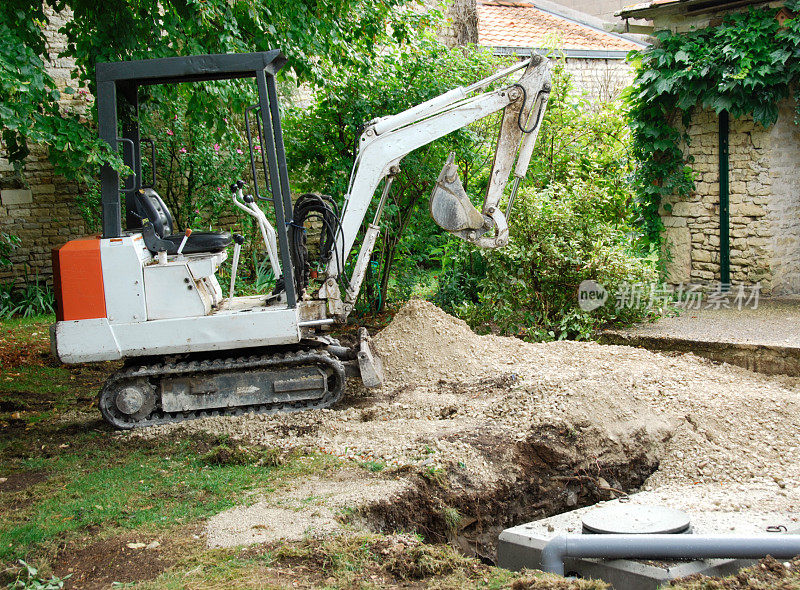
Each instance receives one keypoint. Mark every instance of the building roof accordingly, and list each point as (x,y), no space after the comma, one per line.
(511,24)
(648,9)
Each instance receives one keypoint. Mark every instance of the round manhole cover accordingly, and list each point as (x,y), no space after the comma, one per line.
(632,519)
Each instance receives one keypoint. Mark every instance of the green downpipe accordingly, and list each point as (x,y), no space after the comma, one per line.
(724,203)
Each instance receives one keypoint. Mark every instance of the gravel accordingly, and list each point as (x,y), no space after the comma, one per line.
(725,435)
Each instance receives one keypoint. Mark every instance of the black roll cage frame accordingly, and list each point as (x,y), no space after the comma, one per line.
(121,81)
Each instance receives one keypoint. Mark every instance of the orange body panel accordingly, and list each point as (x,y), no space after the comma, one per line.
(78,278)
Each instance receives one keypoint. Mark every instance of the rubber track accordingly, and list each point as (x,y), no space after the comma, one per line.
(160,370)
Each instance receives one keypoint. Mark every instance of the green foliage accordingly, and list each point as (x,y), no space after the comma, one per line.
(34,298)
(194,165)
(8,243)
(561,236)
(312,33)
(579,139)
(744,65)
(572,222)
(321,147)
(29,109)
(30,579)
(462,267)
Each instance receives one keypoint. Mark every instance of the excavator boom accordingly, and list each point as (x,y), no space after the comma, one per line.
(386,141)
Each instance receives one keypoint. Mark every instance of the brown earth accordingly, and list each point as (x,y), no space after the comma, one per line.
(487,431)
(769,573)
(100,564)
(20,480)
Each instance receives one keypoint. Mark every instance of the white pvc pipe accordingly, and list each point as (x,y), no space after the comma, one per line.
(676,546)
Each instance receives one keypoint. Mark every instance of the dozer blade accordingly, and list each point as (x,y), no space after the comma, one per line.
(369,363)
(451,208)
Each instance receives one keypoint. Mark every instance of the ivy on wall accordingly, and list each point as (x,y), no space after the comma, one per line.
(744,65)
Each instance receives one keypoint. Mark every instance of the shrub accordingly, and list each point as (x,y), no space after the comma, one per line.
(573,221)
(561,236)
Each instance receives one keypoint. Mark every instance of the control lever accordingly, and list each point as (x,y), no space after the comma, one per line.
(237,249)
(184,240)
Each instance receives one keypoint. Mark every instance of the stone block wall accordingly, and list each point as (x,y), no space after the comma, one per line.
(39,207)
(783,207)
(678,20)
(600,79)
(764,206)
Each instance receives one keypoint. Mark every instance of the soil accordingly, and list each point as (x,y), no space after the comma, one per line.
(768,573)
(21,480)
(487,431)
(106,561)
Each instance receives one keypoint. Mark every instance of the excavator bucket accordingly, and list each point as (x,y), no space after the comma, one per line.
(369,363)
(451,208)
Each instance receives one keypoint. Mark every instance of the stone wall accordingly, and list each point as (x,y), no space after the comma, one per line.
(600,79)
(677,20)
(38,207)
(764,206)
(783,208)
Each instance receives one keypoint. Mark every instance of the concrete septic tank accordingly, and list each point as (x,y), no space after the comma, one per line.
(522,546)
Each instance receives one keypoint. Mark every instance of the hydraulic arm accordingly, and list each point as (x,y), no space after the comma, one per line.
(386,141)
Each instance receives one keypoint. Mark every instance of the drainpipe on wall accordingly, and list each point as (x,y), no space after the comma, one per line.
(724,204)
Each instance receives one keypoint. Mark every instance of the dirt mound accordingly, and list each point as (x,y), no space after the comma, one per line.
(499,430)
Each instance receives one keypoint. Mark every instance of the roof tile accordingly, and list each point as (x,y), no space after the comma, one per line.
(514,23)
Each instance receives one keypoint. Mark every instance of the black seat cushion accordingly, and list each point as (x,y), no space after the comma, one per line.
(150,205)
(215,241)
(158,231)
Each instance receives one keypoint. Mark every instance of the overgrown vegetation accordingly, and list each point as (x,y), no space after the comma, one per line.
(744,65)
(30,299)
(572,222)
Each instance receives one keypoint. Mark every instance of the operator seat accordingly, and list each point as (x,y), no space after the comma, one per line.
(158,225)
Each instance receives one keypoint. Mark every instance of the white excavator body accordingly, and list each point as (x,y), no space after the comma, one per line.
(153,298)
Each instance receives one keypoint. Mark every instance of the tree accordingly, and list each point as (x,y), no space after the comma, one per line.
(312,33)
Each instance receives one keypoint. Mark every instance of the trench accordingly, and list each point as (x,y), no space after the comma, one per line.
(555,469)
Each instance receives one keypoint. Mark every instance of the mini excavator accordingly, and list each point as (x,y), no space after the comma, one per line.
(150,296)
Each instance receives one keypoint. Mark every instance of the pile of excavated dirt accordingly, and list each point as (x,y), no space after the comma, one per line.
(503,430)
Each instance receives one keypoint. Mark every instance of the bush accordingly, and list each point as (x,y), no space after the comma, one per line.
(562,236)
(573,221)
